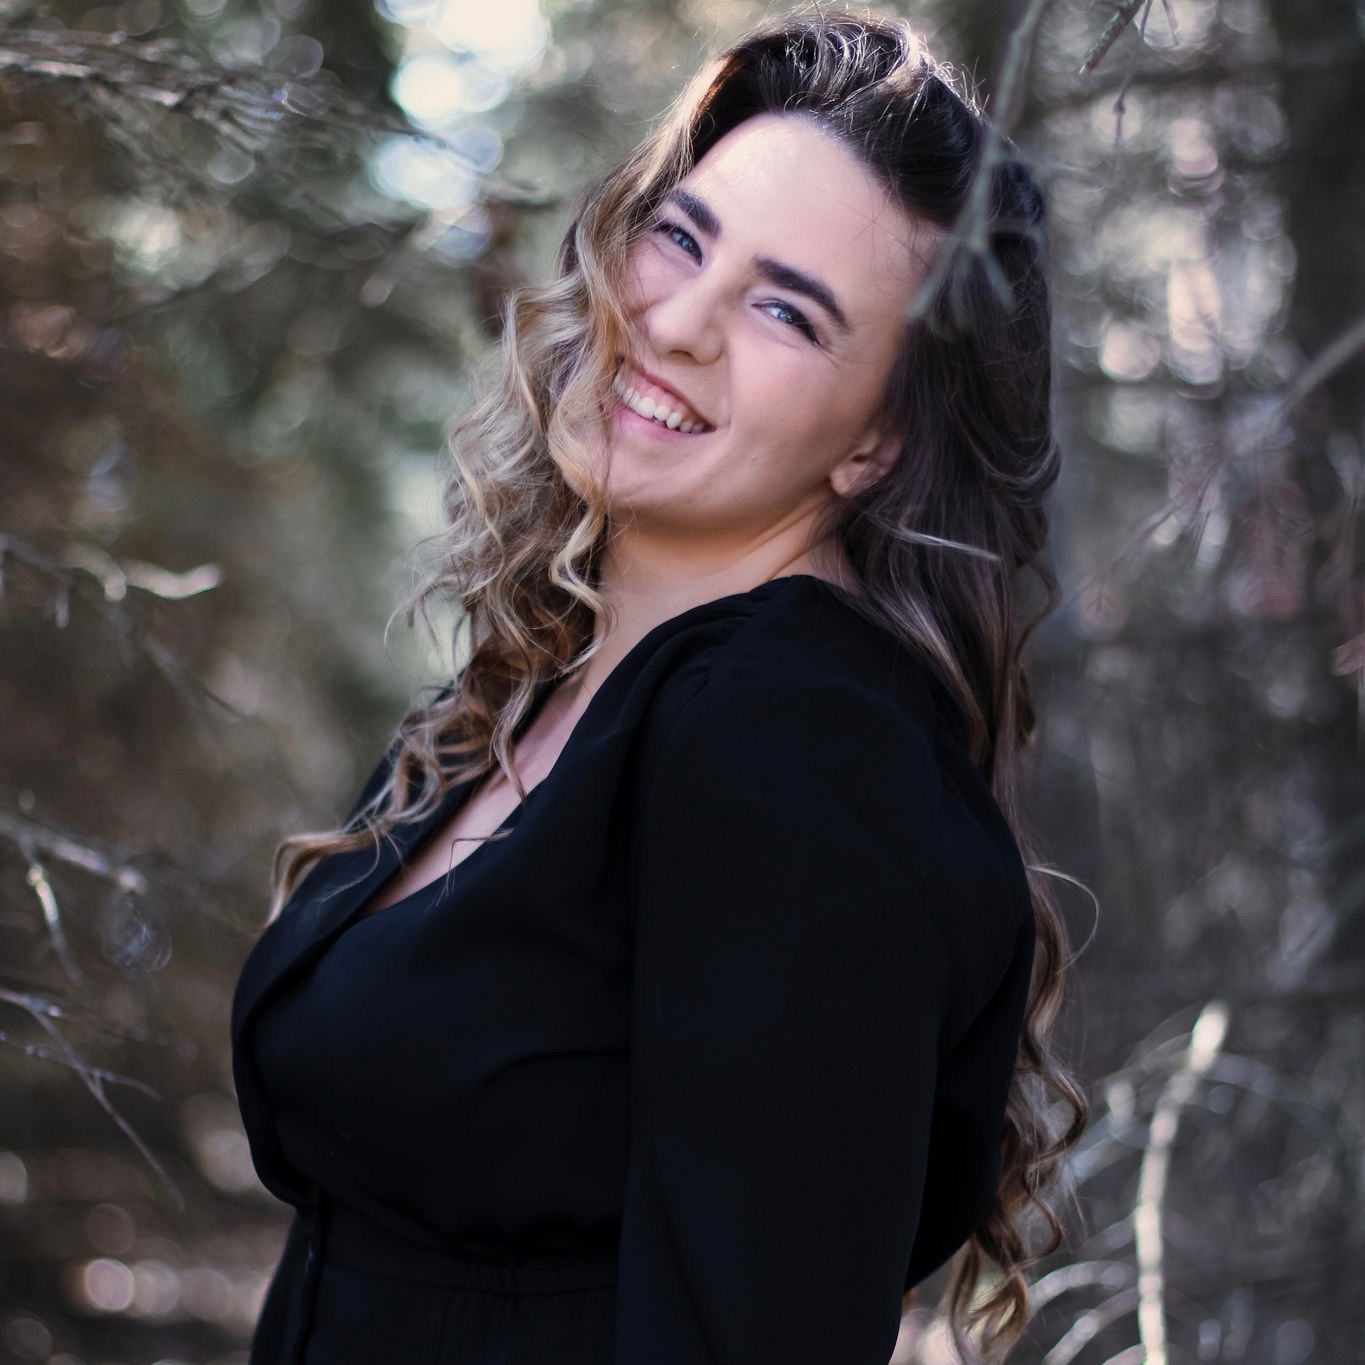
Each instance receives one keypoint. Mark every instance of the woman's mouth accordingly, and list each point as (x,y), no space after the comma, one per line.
(657,407)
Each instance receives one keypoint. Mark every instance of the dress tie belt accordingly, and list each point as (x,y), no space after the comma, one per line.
(336,1234)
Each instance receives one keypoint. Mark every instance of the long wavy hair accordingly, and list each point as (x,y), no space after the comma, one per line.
(945,543)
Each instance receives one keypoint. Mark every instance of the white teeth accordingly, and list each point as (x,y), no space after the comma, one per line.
(655,409)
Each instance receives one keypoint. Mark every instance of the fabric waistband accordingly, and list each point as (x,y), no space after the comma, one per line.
(354,1242)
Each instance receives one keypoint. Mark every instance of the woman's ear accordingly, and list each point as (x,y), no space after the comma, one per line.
(864,465)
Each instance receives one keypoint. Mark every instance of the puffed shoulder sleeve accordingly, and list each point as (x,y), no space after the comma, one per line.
(792,992)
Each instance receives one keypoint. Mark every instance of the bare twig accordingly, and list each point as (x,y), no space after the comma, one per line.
(45,1015)
(35,1001)
(32,841)
(1171,20)
(27,833)
(1188,502)
(1337,353)
(167,74)
(68,580)
(250,108)
(115,576)
(52,918)
(972,231)
(1109,34)
(94,1083)
(1090,1324)
(1206,1041)
(1294,59)
(1082,1275)
(48,1054)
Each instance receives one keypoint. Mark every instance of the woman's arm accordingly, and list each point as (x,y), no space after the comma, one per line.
(792,990)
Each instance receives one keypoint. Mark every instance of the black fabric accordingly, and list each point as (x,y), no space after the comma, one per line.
(705,1062)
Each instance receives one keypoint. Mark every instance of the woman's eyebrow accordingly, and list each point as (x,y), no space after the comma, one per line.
(775,272)
(699,209)
(798,282)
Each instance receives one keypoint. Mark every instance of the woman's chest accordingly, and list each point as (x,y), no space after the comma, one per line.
(483,816)
(462,1028)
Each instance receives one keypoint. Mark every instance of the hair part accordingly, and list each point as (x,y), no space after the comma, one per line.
(945,542)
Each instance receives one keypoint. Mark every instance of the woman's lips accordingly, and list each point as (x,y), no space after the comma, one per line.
(658,406)
(648,426)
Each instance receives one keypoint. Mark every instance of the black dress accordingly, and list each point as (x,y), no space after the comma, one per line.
(704,1064)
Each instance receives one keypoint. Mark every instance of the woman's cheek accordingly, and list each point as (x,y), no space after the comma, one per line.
(649,278)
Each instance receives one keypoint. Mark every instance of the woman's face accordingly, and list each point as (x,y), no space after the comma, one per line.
(770,297)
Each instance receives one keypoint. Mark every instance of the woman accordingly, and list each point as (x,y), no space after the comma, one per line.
(676,990)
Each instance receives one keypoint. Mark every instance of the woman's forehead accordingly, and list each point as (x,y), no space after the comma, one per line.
(781,186)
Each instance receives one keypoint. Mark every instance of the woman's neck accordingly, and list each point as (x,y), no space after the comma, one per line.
(642,595)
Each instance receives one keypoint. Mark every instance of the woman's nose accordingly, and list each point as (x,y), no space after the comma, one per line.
(686,318)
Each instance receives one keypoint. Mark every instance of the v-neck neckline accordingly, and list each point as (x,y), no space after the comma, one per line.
(460,793)
(445,879)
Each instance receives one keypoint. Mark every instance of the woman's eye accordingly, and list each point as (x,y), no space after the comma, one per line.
(794,318)
(681,236)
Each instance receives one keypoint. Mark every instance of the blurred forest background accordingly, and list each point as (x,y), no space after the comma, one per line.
(249,252)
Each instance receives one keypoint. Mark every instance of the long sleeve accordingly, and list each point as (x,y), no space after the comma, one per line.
(798,856)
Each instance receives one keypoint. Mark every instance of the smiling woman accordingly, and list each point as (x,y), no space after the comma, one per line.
(738,1027)
(792,380)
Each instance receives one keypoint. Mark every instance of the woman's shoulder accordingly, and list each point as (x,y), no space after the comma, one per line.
(818,733)
(807,659)
(797,694)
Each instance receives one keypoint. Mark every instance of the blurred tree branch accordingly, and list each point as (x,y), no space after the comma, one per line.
(101,581)
(45,1014)
(1123,16)
(106,75)
(1210,68)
